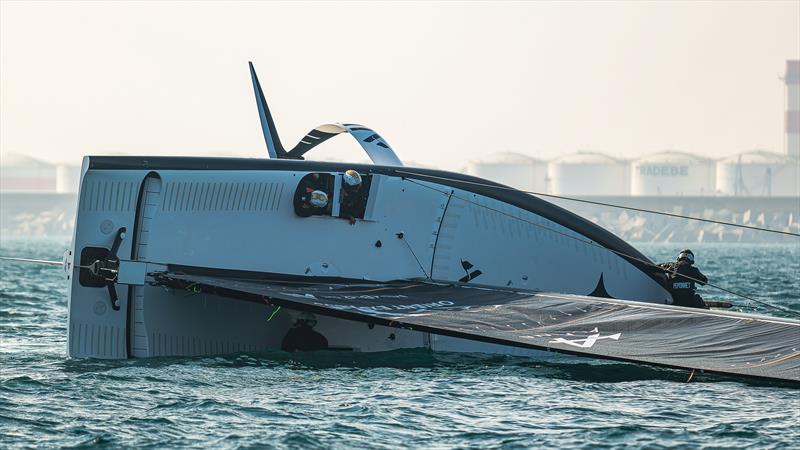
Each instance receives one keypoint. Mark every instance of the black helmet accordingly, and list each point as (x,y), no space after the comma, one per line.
(687,255)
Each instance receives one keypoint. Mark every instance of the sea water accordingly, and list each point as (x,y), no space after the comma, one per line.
(397,399)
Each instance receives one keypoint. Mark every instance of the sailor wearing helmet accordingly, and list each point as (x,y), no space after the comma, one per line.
(681,279)
(309,198)
(302,337)
(353,197)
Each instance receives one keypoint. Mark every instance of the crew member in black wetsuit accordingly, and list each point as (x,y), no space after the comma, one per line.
(302,337)
(679,283)
(309,198)
(353,197)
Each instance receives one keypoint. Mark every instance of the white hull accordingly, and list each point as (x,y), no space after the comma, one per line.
(243,220)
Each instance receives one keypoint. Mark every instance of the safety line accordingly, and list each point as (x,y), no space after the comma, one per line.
(592,243)
(592,202)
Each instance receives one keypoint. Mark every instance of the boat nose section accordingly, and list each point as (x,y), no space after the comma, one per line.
(98,308)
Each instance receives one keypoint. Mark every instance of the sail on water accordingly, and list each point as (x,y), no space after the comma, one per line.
(661,335)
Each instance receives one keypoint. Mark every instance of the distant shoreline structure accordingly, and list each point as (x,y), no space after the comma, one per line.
(756,173)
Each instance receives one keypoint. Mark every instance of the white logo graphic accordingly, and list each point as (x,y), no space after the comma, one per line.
(586,342)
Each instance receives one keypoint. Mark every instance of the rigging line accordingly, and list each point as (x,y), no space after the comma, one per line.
(592,202)
(626,256)
(35,261)
(402,237)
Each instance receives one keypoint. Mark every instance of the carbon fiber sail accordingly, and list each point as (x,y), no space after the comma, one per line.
(663,335)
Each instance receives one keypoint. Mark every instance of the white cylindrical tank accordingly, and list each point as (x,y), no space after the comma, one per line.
(512,169)
(673,173)
(588,173)
(67,179)
(758,173)
(20,173)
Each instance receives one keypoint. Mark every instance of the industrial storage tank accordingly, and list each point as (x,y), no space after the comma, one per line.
(20,173)
(512,169)
(673,173)
(758,173)
(589,173)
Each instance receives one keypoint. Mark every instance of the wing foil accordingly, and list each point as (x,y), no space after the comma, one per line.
(663,335)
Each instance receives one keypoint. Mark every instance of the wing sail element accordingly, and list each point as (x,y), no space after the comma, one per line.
(662,335)
(376,147)
(274,146)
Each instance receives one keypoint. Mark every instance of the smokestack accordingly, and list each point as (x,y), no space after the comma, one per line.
(792,80)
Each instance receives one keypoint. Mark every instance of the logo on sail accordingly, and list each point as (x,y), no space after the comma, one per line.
(588,341)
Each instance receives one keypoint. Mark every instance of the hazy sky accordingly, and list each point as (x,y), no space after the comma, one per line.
(443,83)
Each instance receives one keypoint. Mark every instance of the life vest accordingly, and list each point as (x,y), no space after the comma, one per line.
(680,285)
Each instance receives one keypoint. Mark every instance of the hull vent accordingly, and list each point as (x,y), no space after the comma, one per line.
(202,196)
(109,196)
(97,341)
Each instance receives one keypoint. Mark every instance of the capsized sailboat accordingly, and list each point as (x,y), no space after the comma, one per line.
(196,256)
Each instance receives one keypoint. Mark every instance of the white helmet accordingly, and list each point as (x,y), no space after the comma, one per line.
(352,178)
(319,199)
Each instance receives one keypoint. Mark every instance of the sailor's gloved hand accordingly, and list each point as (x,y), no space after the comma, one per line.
(352,220)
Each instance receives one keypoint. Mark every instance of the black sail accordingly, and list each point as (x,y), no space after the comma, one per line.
(662,335)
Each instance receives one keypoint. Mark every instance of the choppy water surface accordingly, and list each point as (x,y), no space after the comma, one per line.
(396,399)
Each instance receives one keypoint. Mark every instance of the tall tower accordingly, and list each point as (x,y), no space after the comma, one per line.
(792,80)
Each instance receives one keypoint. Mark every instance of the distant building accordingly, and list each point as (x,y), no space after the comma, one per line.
(20,173)
(514,169)
(673,173)
(23,174)
(588,173)
(758,173)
